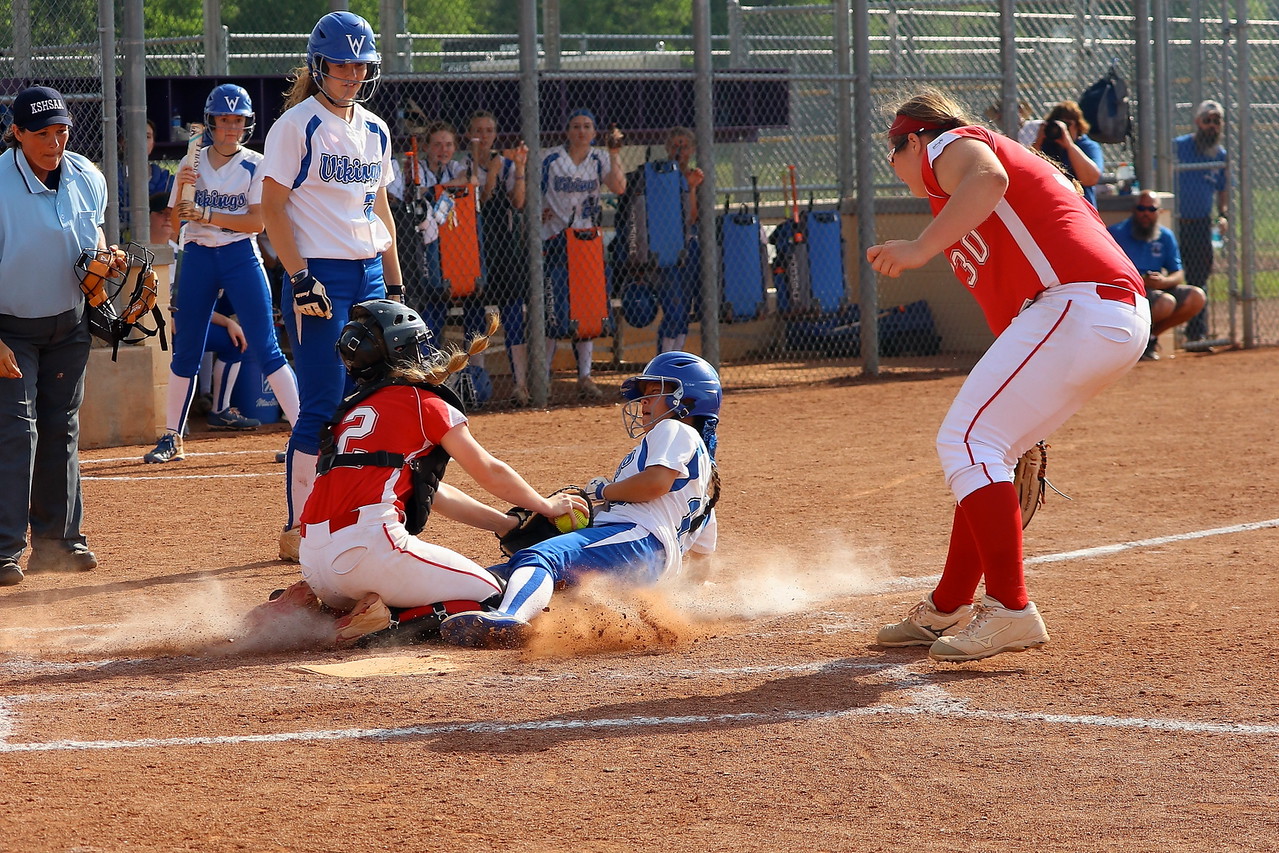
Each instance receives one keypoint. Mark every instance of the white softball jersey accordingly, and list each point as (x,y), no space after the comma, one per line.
(334,170)
(229,189)
(572,190)
(672,517)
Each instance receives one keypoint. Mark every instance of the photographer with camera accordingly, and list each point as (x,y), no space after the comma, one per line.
(1063,138)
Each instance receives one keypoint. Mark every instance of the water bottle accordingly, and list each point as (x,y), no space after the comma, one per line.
(1125,177)
(175,128)
(1218,240)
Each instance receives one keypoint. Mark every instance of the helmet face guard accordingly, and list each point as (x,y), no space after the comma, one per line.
(229,99)
(689,386)
(344,38)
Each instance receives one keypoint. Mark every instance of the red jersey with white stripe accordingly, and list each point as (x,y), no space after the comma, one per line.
(1041,234)
(398,419)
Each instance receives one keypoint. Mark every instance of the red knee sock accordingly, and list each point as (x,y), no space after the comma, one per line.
(994,515)
(963,567)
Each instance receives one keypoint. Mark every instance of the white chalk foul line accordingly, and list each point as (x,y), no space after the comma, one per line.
(192,476)
(929,700)
(1103,550)
(138,459)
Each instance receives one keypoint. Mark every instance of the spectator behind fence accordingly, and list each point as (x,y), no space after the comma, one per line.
(677,286)
(159,181)
(1195,191)
(573,175)
(52,204)
(1153,250)
(428,294)
(1063,137)
(502,179)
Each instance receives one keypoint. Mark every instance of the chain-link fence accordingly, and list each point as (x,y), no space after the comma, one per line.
(617,232)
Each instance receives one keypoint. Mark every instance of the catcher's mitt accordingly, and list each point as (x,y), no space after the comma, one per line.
(533,527)
(1031,481)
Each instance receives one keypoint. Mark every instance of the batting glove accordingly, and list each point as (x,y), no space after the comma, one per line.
(595,488)
(309,295)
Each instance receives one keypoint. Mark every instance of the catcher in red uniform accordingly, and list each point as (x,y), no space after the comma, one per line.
(382,459)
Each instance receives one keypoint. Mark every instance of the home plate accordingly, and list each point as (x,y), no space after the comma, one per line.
(369,667)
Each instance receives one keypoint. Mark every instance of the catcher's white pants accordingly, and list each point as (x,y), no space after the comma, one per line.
(1059,352)
(377,554)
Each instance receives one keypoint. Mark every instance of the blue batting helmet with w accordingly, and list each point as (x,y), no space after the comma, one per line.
(228,99)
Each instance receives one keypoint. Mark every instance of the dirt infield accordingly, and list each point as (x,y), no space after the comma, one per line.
(740,708)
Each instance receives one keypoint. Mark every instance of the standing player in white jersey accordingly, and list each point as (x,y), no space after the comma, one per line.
(325,171)
(220,254)
(573,175)
(1070,317)
(659,505)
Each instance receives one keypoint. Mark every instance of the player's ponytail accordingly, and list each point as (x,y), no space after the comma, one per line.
(450,360)
(302,86)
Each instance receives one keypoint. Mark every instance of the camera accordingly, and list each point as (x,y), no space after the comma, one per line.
(1052,131)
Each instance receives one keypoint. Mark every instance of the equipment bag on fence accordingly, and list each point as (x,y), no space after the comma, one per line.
(903,330)
(744,269)
(650,219)
(1105,107)
(587,284)
(825,258)
(460,265)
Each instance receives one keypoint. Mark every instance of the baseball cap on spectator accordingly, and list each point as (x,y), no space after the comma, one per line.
(1209,107)
(37,107)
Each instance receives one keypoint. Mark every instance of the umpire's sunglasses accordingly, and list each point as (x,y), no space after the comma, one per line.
(1146,207)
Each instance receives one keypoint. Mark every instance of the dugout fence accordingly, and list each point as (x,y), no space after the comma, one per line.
(783,102)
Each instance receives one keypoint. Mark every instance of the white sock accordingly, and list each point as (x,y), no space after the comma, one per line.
(284,384)
(181,392)
(667,345)
(677,343)
(585,352)
(206,374)
(519,365)
(301,481)
(527,592)
(224,376)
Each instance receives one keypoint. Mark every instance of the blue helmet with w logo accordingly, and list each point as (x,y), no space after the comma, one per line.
(229,99)
(343,38)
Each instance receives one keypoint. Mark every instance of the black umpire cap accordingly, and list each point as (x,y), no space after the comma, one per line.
(37,107)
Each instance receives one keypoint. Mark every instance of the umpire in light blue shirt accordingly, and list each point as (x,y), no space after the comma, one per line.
(52,203)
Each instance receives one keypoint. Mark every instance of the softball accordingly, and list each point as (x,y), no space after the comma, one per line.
(569,522)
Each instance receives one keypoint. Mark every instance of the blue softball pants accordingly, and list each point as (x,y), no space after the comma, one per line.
(322,378)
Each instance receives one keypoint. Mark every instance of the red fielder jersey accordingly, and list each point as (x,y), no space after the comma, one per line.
(1041,234)
(398,419)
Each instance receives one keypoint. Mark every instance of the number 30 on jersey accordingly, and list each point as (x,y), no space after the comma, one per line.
(971,253)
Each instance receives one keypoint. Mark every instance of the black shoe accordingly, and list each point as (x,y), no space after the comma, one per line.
(10,574)
(78,558)
(1151,353)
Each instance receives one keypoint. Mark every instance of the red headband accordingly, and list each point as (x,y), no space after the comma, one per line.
(903,125)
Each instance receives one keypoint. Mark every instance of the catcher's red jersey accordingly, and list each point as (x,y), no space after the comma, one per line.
(398,419)
(1041,234)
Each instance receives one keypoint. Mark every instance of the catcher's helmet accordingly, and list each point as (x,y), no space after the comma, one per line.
(342,38)
(689,384)
(382,334)
(229,99)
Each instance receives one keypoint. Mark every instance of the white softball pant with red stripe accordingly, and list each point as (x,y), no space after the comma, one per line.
(1058,353)
(377,554)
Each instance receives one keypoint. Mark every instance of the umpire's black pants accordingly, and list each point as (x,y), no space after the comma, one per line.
(40,431)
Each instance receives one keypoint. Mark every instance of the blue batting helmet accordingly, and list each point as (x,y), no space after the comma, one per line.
(229,99)
(342,38)
(689,384)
